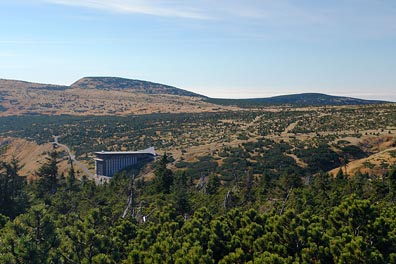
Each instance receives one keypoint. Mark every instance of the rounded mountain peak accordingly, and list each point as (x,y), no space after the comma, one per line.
(138,86)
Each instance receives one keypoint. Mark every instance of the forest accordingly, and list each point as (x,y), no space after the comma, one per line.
(172,219)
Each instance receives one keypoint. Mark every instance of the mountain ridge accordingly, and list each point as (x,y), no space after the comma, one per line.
(139,97)
(300,99)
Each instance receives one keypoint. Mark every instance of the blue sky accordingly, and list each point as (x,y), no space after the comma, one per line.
(222,48)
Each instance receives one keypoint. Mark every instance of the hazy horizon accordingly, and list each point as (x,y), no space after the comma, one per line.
(224,49)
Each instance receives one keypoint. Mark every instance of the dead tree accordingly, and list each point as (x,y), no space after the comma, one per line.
(229,196)
(201,183)
(130,202)
(285,200)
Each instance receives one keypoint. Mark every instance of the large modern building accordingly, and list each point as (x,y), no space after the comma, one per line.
(107,163)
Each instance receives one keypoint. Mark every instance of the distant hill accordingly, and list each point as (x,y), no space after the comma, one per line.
(120,96)
(304,99)
(100,96)
(114,83)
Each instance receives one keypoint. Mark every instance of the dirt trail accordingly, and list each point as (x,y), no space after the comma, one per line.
(289,128)
(299,162)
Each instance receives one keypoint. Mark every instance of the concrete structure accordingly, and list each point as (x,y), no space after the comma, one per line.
(107,163)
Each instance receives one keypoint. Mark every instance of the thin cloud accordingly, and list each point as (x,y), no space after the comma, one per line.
(365,17)
(164,8)
(274,10)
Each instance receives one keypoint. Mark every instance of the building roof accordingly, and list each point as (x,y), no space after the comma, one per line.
(145,151)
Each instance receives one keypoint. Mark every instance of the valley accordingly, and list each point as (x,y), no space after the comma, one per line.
(234,182)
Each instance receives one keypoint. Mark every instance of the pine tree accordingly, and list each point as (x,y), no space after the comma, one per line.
(71,177)
(13,198)
(213,184)
(164,176)
(48,174)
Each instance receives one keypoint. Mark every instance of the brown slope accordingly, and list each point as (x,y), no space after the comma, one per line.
(99,96)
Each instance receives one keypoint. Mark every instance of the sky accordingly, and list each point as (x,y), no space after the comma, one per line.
(219,48)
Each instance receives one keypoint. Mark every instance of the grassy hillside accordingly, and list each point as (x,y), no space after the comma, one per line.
(99,96)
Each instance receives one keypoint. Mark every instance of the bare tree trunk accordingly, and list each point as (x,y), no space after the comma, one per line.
(285,200)
(129,206)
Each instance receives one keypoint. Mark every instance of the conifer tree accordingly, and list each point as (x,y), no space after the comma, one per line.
(164,176)
(48,174)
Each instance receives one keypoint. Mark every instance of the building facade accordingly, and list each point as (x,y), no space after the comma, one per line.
(107,163)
